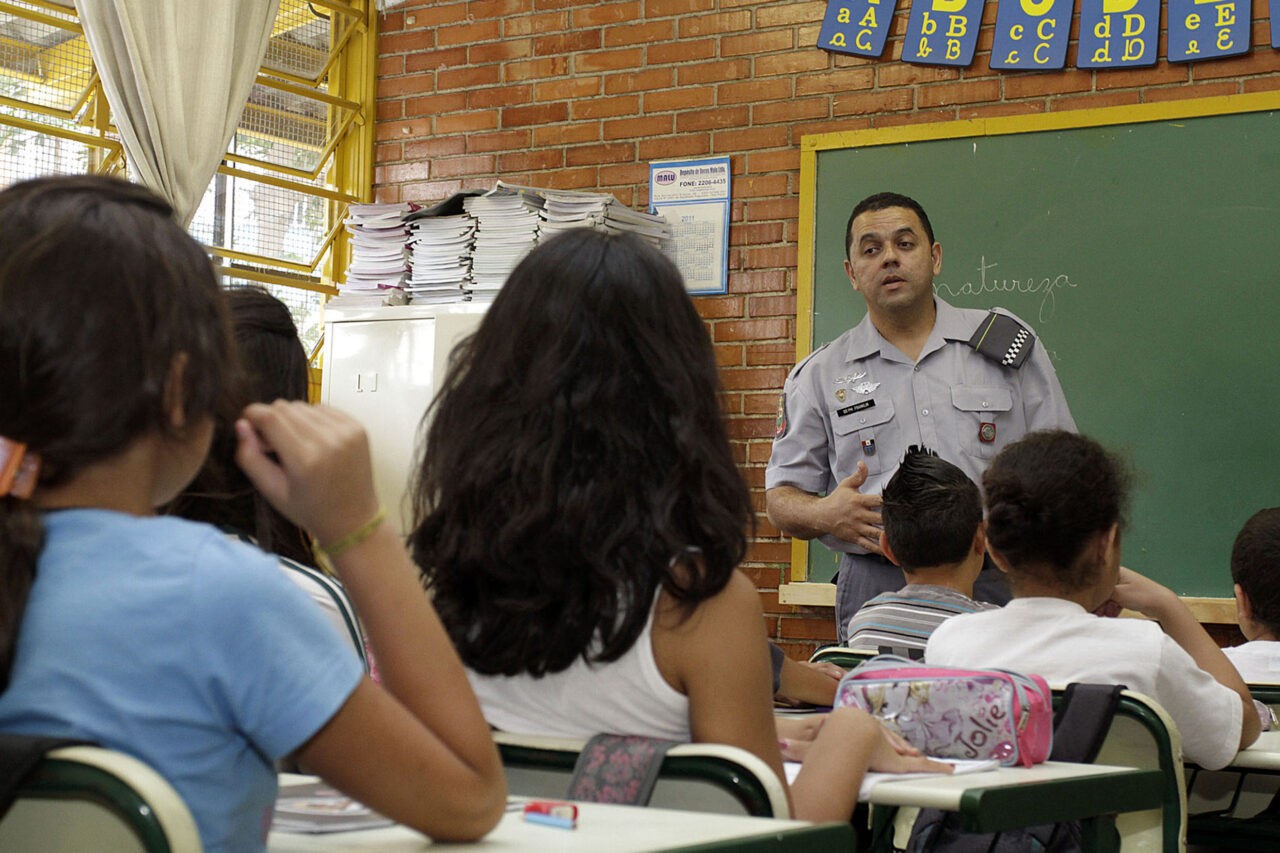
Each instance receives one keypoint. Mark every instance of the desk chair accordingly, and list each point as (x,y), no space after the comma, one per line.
(89,798)
(1143,735)
(707,777)
(1226,806)
(315,581)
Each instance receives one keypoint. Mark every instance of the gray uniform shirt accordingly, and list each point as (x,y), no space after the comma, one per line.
(860,399)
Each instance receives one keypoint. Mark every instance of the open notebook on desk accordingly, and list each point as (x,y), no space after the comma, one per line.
(873,778)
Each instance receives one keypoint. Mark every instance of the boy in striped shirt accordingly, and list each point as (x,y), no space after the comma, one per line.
(933,530)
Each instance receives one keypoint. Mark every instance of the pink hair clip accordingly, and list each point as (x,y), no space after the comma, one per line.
(19,469)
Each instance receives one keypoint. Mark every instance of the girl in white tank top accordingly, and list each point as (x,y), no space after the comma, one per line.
(576,445)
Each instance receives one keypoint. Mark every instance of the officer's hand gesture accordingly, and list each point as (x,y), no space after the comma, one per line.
(853,516)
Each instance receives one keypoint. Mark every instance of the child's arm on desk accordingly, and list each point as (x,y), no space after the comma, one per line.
(814,683)
(729,702)
(1144,595)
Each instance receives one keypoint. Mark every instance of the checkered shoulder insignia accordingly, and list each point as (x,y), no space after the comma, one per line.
(1003,339)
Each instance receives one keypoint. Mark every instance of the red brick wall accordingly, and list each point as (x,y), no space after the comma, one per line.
(582,95)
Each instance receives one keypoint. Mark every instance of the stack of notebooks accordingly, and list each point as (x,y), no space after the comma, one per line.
(506,229)
(463,248)
(378,263)
(440,257)
(565,209)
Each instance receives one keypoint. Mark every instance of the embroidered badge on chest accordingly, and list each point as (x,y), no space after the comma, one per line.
(855,383)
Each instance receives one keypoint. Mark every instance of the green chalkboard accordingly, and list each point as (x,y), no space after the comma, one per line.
(1141,243)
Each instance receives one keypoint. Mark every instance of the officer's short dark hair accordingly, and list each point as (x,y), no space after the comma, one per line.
(1255,565)
(881,201)
(931,511)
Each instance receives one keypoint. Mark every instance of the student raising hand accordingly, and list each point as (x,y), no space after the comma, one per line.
(312,463)
(296,454)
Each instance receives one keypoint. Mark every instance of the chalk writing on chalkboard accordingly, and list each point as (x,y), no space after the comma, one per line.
(1046,285)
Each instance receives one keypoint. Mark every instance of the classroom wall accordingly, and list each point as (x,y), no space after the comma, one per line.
(582,95)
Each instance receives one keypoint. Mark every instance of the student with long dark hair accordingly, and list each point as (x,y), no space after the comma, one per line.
(163,638)
(580,521)
(273,366)
(1055,506)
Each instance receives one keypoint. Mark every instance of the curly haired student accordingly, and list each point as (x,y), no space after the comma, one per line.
(1055,510)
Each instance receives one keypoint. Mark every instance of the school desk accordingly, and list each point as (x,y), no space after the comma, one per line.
(1220,804)
(1010,797)
(1004,798)
(1263,756)
(618,829)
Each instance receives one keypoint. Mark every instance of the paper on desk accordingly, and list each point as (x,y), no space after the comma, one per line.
(315,807)
(873,778)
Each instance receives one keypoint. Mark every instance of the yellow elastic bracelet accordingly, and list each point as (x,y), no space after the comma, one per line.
(356,536)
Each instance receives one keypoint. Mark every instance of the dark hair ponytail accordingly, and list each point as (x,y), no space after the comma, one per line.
(1046,495)
(100,292)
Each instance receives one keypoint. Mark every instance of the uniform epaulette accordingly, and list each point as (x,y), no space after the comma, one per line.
(795,371)
(1003,339)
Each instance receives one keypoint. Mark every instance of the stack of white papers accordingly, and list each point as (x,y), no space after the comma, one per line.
(440,258)
(567,210)
(653,227)
(463,248)
(378,257)
(506,229)
(563,210)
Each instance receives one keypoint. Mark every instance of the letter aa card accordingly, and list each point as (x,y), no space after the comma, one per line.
(859,27)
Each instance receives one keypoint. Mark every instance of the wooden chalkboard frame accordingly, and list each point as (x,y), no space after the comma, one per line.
(799,591)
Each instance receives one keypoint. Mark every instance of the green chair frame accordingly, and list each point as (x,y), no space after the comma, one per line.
(736,772)
(130,791)
(1148,715)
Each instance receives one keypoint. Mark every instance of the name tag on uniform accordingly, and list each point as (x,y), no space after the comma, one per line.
(856,407)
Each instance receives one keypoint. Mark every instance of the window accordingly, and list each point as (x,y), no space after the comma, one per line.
(273,213)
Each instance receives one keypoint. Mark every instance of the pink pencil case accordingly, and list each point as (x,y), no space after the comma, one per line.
(955,713)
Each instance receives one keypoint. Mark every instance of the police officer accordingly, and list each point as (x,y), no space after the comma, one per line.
(915,371)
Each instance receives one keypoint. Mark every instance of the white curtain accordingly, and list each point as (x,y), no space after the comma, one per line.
(177,74)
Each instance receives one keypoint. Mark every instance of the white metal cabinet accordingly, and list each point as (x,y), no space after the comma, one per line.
(383,366)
